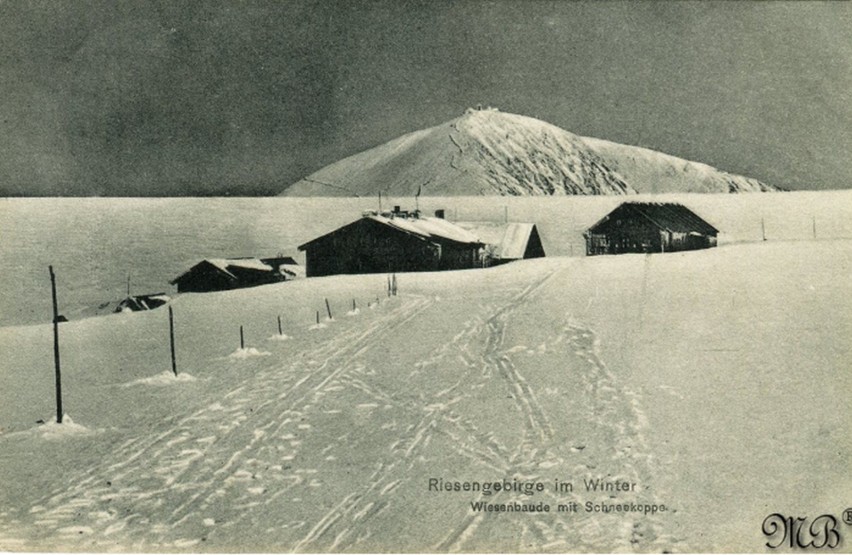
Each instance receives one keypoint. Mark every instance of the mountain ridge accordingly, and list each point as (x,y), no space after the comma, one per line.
(487,152)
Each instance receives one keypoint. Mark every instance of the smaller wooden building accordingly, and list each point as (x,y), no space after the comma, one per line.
(649,227)
(506,241)
(219,274)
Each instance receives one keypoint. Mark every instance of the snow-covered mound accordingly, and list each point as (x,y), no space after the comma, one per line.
(68,429)
(162,379)
(487,152)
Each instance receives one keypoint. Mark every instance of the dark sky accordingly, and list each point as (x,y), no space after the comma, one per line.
(244,98)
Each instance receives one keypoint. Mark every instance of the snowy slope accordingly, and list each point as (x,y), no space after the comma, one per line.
(486,152)
(671,371)
(650,171)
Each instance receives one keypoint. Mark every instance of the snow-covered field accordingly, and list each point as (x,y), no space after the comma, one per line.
(717,381)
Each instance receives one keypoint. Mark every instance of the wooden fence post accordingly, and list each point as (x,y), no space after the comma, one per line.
(280,330)
(328,309)
(172,339)
(58,373)
(242,339)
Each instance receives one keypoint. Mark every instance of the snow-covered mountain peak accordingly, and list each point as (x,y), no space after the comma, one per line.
(525,156)
(488,152)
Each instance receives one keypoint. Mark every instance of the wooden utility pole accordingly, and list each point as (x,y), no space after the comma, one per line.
(172,339)
(58,372)
(328,309)
(280,330)
(242,339)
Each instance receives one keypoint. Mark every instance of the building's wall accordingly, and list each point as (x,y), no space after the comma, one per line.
(687,241)
(694,242)
(251,278)
(534,247)
(368,247)
(459,257)
(642,239)
(208,278)
(202,280)
(625,235)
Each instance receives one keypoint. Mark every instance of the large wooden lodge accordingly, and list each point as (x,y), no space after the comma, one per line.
(397,241)
(403,241)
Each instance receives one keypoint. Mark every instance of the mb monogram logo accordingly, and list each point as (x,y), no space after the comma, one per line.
(798,533)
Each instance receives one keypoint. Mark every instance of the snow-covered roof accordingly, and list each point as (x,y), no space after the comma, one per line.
(435,229)
(515,240)
(225,264)
(670,216)
(429,227)
(247,263)
(508,239)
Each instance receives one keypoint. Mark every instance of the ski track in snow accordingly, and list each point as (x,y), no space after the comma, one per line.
(606,403)
(537,427)
(233,452)
(176,461)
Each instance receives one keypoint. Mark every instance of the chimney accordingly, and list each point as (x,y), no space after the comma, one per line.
(439,213)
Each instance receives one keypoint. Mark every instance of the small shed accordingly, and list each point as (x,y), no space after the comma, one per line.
(397,241)
(505,242)
(219,274)
(649,227)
